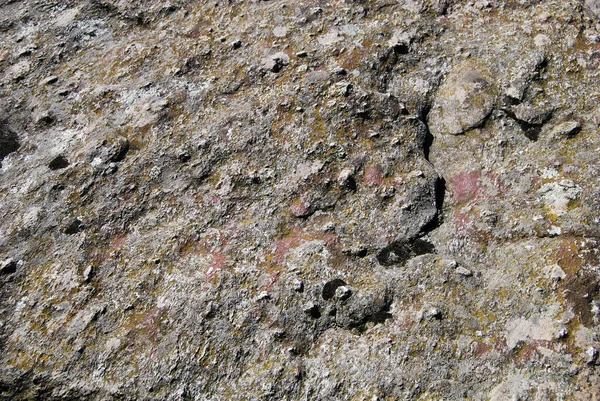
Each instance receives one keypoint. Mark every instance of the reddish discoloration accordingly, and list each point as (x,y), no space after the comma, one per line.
(529,351)
(498,183)
(466,186)
(568,257)
(300,209)
(466,227)
(217,264)
(373,176)
(118,242)
(273,278)
(464,223)
(482,348)
(284,245)
(218,261)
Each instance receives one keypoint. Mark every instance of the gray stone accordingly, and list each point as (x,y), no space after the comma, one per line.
(49,80)
(593,5)
(462,271)
(343,292)
(463,101)
(346,179)
(276,62)
(567,129)
(257,228)
(88,273)
(591,355)
(297,285)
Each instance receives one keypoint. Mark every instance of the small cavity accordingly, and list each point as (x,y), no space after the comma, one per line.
(9,141)
(58,163)
(330,287)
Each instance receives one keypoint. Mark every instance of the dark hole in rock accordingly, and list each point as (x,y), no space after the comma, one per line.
(314,312)
(350,184)
(277,66)
(59,162)
(394,253)
(401,49)
(9,141)
(532,133)
(8,267)
(330,287)
(542,64)
(362,252)
(421,247)
(47,119)
(440,192)
(119,150)
(510,101)
(380,316)
(184,157)
(76,226)
(400,251)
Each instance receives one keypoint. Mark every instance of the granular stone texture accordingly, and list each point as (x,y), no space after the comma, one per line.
(300,200)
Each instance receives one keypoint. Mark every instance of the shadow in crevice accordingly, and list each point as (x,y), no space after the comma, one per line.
(440,183)
(440,193)
(398,252)
(378,317)
(9,141)
(428,141)
(330,287)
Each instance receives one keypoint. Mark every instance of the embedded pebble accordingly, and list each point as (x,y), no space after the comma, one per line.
(462,271)
(567,129)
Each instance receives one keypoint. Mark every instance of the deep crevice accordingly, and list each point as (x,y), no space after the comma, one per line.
(440,193)
(429,138)
(9,141)
(440,183)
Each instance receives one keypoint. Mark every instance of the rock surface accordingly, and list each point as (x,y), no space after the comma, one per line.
(277,200)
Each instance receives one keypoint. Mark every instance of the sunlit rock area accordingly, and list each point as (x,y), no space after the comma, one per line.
(300,200)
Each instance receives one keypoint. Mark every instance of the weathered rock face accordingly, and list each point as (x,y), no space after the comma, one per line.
(288,200)
(463,101)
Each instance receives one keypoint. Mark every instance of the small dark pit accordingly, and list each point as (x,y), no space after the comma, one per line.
(76,226)
(422,247)
(330,287)
(394,253)
(314,312)
(8,267)
(9,141)
(401,49)
(58,163)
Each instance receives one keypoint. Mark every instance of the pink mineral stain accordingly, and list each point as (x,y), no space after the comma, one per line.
(465,186)
(285,245)
(373,175)
(300,209)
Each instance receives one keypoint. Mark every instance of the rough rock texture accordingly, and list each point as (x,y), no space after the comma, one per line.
(287,200)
